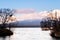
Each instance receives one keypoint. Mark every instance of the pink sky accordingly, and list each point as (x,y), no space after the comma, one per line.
(25,10)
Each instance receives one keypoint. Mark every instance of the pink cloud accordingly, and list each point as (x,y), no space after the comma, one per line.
(25,10)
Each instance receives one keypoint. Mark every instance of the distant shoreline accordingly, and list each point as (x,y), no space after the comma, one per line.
(24,26)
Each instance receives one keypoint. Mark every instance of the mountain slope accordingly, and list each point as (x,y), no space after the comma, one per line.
(26,23)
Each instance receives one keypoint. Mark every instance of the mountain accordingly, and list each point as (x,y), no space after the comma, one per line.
(26,23)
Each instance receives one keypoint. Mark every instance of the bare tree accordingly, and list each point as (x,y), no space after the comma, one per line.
(4,14)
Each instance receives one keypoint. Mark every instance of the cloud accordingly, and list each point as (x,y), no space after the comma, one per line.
(25,10)
(38,15)
(32,16)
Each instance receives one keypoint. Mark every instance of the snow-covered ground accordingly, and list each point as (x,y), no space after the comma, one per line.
(30,34)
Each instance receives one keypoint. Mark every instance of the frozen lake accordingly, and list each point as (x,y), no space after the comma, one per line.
(29,34)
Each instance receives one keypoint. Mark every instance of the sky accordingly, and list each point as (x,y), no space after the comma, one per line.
(31,9)
(38,5)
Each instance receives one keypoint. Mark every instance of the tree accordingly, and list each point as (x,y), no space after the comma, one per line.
(46,23)
(4,15)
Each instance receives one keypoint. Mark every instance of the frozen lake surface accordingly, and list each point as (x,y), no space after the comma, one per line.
(29,34)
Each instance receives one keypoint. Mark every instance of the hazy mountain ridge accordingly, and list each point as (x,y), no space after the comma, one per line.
(26,23)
